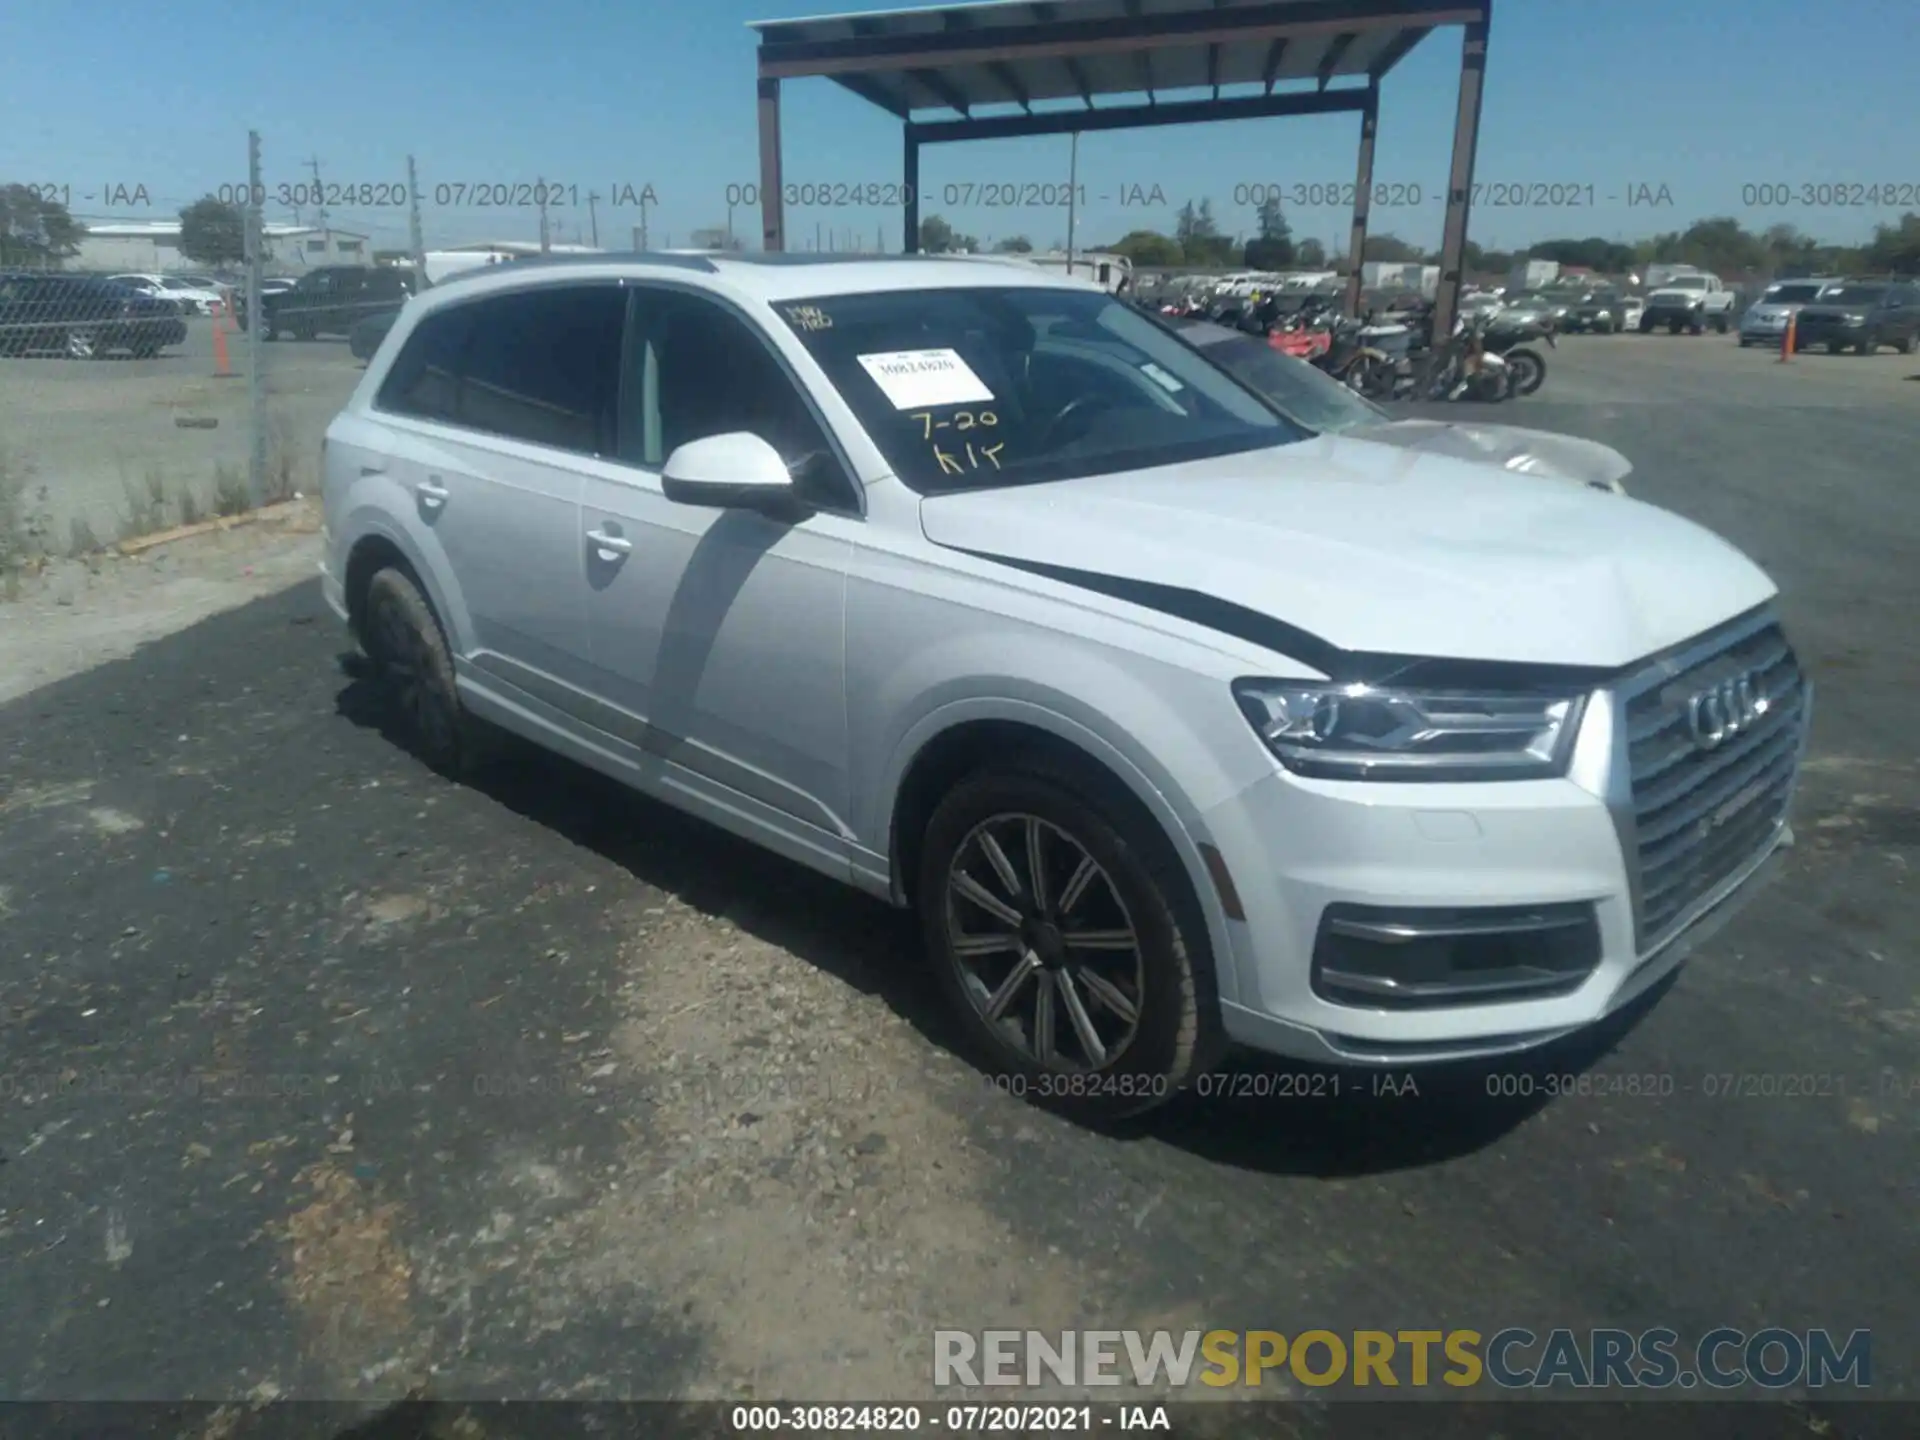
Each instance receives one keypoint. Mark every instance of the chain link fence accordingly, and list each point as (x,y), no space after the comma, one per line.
(145,386)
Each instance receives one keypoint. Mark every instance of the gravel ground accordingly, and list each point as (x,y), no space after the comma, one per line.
(323,1077)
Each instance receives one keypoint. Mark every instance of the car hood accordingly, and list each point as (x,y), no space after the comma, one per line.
(1685,296)
(1377,549)
(1525,452)
(1814,311)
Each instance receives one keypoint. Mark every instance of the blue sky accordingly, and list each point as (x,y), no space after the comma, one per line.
(1703,97)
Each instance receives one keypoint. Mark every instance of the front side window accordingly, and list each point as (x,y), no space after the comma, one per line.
(700,370)
(1303,393)
(1790,294)
(982,387)
(540,366)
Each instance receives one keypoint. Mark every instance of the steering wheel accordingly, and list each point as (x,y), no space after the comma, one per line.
(1078,405)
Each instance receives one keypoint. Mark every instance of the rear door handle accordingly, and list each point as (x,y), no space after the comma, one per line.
(610,544)
(432,492)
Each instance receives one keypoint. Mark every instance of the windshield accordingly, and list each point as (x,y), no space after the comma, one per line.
(1790,294)
(968,389)
(1303,393)
(1853,294)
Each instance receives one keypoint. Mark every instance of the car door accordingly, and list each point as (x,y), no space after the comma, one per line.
(497,403)
(718,635)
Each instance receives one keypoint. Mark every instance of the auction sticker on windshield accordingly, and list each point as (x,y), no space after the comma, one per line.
(920,379)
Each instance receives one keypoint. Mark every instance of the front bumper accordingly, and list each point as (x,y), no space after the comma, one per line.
(1554,859)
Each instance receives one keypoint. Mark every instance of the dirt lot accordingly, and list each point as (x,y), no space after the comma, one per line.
(322,1077)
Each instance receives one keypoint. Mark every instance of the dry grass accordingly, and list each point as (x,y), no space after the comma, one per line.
(24,522)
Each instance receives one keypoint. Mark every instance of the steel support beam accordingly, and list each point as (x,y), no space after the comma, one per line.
(1362,198)
(980,45)
(1466,140)
(1134,117)
(773,220)
(910,195)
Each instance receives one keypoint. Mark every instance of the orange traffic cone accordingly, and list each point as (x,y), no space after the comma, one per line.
(221,369)
(1788,337)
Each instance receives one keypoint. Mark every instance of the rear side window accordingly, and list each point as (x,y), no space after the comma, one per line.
(425,380)
(540,366)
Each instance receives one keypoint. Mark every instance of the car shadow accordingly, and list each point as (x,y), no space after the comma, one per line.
(1260,1113)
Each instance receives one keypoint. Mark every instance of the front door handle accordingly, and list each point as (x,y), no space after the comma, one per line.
(609,545)
(432,493)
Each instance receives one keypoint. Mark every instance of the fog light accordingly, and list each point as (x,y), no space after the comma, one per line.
(1401,959)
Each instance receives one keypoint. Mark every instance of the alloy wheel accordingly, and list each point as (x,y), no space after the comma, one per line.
(1043,944)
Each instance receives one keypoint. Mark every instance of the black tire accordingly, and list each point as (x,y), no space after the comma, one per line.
(412,661)
(1526,371)
(1904,344)
(1720,323)
(1138,889)
(1867,345)
(1646,326)
(145,351)
(1834,347)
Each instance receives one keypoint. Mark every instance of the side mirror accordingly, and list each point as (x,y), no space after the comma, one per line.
(735,471)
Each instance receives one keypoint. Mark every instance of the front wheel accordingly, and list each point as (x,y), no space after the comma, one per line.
(82,345)
(1526,371)
(1720,323)
(1868,345)
(1066,941)
(411,658)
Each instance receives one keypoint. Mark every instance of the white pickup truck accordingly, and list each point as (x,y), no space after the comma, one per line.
(1691,302)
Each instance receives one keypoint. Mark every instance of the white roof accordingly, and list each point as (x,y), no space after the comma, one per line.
(164,230)
(766,278)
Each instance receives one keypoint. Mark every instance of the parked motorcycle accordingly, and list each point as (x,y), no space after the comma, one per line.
(1515,342)
(1463,368)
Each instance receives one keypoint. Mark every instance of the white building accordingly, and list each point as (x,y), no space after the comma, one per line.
(153,247)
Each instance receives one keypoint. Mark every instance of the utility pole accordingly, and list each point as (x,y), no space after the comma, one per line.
(320,201)
(413,226)
(256,380)
(593,214)
(1073,195)
(540,198)
(639,240)
(643,222)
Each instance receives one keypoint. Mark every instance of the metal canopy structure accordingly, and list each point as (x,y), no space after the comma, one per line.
(1015,68)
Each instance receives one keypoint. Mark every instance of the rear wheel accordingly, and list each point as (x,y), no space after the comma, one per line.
(1904,344)
(82,345)
(1867,345)
(1720,323)
(1066,940)
(411,658)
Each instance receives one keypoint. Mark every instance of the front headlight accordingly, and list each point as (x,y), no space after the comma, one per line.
(1340,731)
(1856,320)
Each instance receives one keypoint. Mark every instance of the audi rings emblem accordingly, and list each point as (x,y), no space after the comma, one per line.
(1716,715)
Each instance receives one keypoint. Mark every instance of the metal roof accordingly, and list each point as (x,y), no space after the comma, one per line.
(960,58)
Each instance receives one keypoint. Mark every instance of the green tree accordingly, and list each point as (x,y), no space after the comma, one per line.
(1896,247)
(35,230)
(1014,245)
(1198,233)
(213,232)
(1272,245)
(1310,254)
(1391,248)
(1149,248)
(937,237)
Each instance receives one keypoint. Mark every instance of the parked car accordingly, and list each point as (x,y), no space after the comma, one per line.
(330,300)
(188,297)
(1861,315)
(367,335)
(1600,312)
(1632,307)
(1765,321)
(271,285)
(83,317)
(1175,724)
(1531,307)
(1689,302)
(1315,400)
